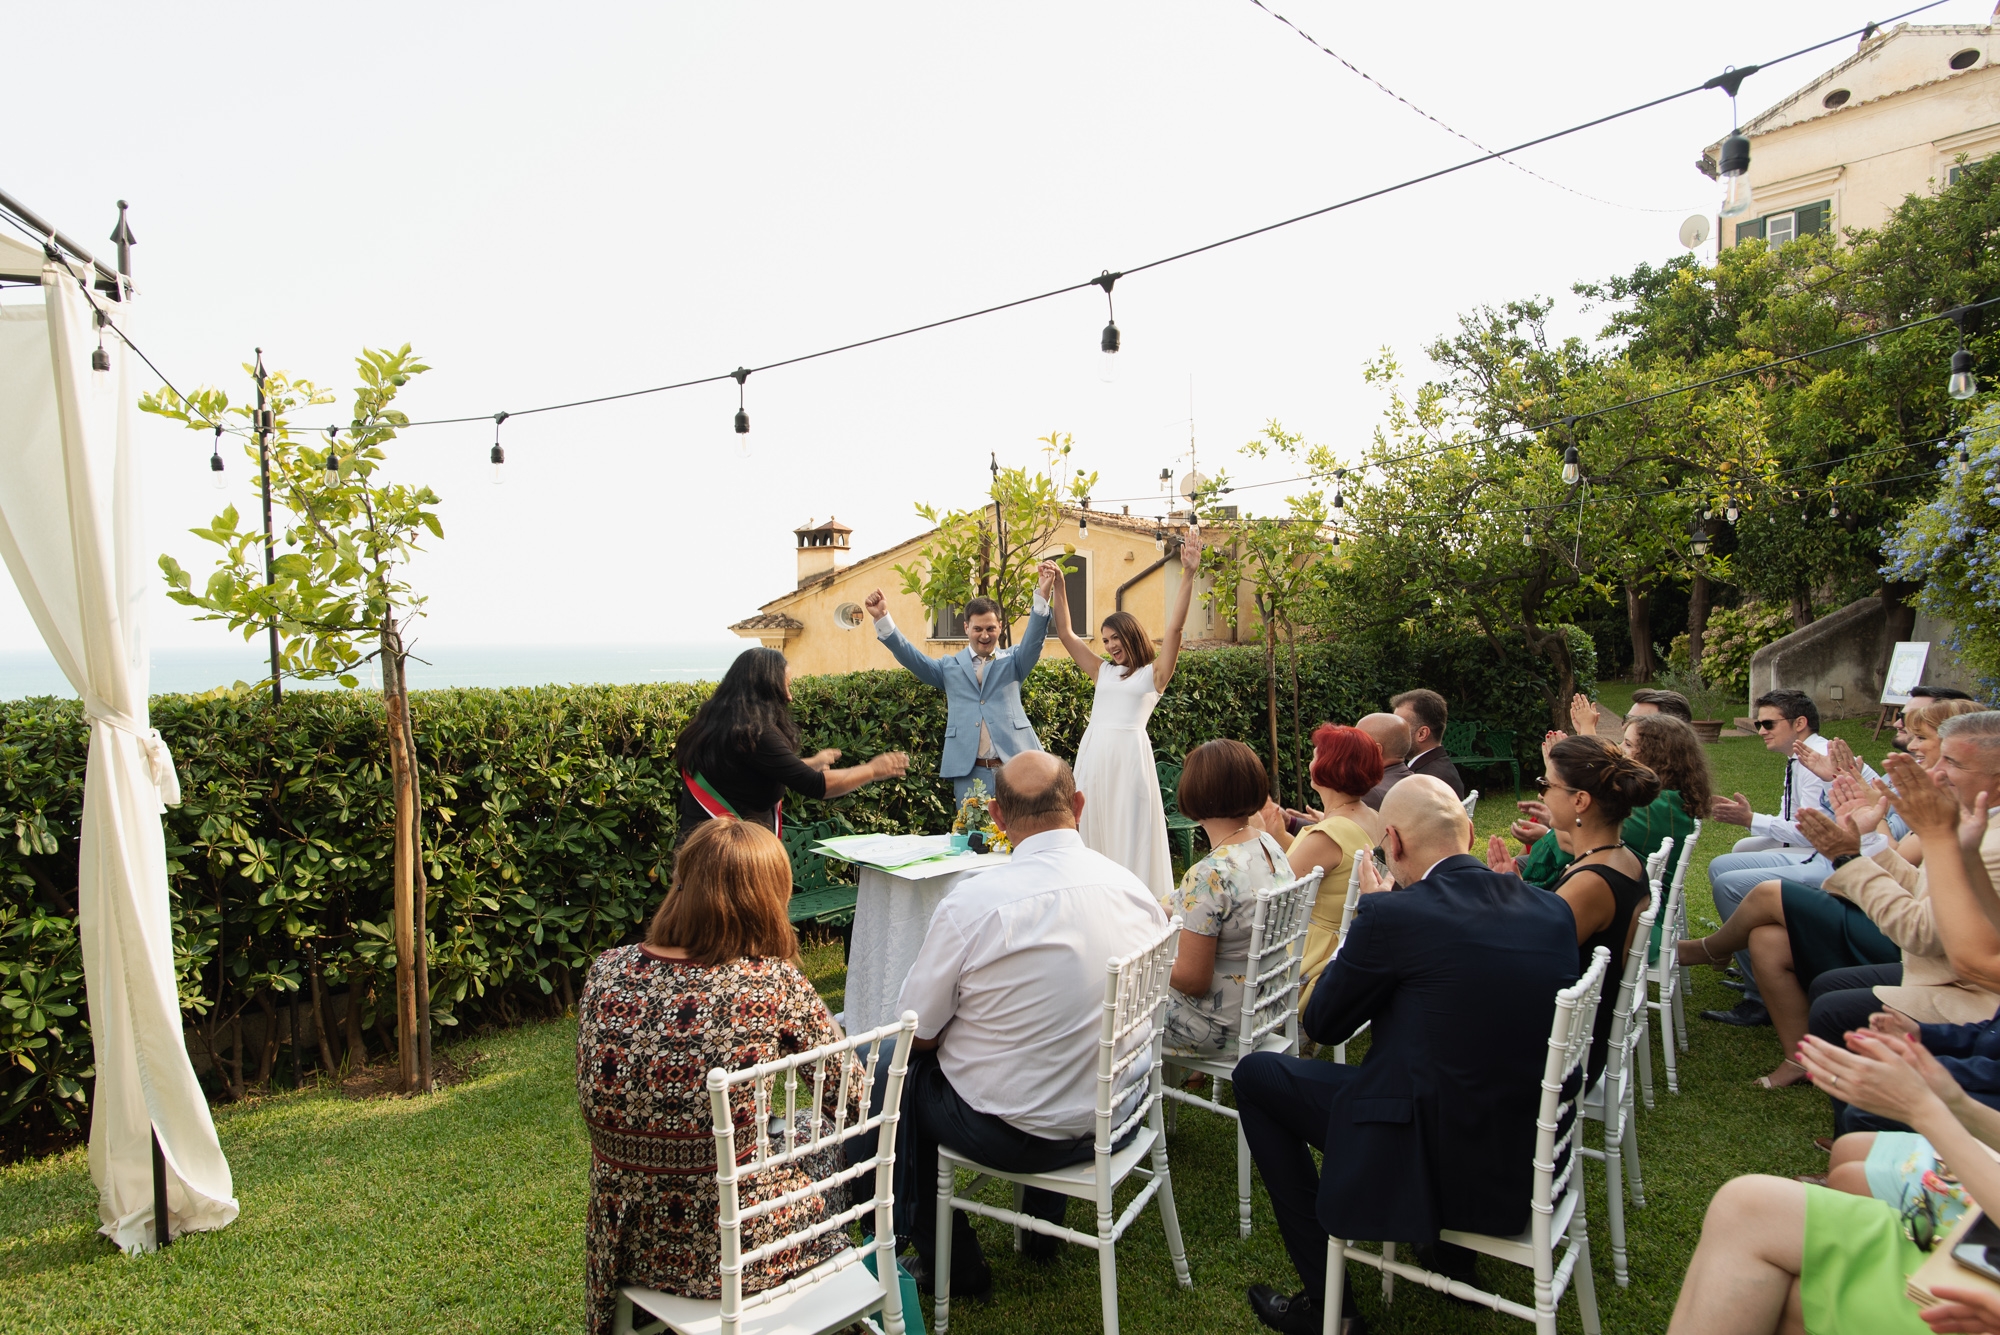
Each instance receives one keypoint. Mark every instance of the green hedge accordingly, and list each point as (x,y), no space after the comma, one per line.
(549,817)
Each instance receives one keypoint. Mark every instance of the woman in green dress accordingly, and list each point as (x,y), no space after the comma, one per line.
(1669,748)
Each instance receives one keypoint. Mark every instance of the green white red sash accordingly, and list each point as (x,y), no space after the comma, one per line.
(717,806)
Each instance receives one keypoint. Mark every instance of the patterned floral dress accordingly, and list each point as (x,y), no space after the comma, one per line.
(1218,898)
(651,1030)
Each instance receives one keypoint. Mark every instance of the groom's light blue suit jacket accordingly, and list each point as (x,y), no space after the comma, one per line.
(997,703)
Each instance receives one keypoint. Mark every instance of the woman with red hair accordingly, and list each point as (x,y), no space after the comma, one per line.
(1347,762)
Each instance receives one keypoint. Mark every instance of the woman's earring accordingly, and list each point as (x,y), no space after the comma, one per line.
(1579,822)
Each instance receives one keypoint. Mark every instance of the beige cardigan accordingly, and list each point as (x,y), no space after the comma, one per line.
(1896,897)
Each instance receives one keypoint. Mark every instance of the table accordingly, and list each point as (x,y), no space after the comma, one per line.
(892,911)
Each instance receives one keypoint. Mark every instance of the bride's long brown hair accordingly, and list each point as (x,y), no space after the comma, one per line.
(1138,644)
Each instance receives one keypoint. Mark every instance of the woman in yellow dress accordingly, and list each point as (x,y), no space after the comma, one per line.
(1347,762)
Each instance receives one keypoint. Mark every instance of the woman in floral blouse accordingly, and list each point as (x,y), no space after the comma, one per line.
(1224,787)
(715,984)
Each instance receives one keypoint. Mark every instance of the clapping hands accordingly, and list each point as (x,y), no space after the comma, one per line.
(1839,759)
(1925,807)
(1583,714)
(1497,857)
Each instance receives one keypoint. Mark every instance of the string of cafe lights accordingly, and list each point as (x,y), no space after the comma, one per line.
(1111,338)
(1733,165)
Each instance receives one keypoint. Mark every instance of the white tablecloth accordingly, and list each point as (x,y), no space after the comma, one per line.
(892,911)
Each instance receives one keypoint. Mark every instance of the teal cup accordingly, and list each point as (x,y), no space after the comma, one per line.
(961,843)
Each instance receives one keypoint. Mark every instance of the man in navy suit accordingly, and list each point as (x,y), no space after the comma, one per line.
(985,726)
(1458,970)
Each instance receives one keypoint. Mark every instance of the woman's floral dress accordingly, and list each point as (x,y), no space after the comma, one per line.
(1218,898)
(651,1030)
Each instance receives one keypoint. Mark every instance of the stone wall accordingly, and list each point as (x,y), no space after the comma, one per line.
(1839,660)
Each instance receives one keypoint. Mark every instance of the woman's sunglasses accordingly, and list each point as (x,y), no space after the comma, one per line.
(1543,784)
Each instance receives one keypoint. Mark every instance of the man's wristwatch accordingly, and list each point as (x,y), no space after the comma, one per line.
(1843,860)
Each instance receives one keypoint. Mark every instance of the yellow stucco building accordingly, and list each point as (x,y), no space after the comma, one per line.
(1126,562)
(1889,121)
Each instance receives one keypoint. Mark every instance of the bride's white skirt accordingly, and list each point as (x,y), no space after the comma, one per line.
(1123,817)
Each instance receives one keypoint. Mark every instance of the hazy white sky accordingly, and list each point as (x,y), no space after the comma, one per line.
(552,202)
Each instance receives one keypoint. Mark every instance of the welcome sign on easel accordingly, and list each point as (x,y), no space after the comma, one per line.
(1906,669)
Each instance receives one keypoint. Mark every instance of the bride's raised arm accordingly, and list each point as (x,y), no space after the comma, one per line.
(1170,644)
(1079,649)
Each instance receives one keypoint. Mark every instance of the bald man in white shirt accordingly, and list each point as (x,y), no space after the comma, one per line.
(1008,988)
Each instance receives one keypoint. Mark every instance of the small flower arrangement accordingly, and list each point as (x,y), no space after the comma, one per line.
(975,816)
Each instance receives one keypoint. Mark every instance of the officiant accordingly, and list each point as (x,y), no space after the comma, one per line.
(739,754)
(985,725)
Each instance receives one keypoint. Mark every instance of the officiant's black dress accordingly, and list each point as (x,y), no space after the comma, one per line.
(753,781)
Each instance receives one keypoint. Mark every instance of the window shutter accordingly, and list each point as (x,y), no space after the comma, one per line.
(1746,230)
(1814,217)
(1076,587)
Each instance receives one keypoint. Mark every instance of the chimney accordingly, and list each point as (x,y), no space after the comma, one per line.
(820,546)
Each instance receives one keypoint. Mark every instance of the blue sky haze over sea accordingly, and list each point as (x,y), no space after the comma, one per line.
(177,670)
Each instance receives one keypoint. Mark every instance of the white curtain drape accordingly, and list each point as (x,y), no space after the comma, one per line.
(73,536)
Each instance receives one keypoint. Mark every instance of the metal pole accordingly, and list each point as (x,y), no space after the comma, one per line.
(1000,552)
(34,220)
(264,424)
(162,1229)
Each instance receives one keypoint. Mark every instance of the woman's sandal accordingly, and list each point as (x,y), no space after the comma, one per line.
(1764,1081)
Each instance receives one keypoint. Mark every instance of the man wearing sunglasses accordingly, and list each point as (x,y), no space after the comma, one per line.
(1775,849)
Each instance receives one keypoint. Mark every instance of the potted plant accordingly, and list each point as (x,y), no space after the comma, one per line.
(1712,705)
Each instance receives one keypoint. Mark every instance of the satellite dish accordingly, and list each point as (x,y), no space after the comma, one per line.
(1694,230)
(1191,484)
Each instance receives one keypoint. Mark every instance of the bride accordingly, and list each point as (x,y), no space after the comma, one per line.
(1123,817)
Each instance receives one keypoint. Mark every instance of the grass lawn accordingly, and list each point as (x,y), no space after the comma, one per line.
(464,1211)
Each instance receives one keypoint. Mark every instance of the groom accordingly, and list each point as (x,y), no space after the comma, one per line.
(985,726)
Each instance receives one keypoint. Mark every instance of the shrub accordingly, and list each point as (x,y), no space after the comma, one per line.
(548,828)
(1734,636)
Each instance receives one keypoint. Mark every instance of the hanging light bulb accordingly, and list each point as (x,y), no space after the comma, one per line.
(1735,166)
(1731,512)
(1109,342)
(1572,467)
(1964,458)
(742,416)
(498,455)
(1083,519)
(1527,535)
(100,360)
(1699,539)
(215,477)
(1339,501)
(1962,384)
(1833,506)
(1166,479)
(332,458)
(1159,540)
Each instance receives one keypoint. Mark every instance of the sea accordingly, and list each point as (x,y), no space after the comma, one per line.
(190,671)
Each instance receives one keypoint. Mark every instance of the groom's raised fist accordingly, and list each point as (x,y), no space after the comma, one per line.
(876,605)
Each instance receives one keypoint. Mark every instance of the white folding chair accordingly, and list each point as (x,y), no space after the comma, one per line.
(1669,983)
(1134,1031)
(838,1291)
(1656,870)
(1557,1208)
(1610,1098)
(1270,1019)
(1347,921)
(1471,804)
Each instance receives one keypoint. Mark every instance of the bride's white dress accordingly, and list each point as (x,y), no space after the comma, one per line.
(1123,817)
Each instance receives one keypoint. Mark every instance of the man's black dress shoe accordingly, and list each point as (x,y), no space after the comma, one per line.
(1298,1314)
(1745,1014)
(1735,985)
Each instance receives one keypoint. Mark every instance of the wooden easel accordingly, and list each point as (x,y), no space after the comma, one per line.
(1884,719)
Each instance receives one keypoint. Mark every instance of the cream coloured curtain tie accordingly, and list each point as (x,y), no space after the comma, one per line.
(159,760)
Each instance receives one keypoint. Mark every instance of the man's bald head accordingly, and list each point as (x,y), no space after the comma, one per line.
(1390,732)
(1423,824)
(1033,793)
